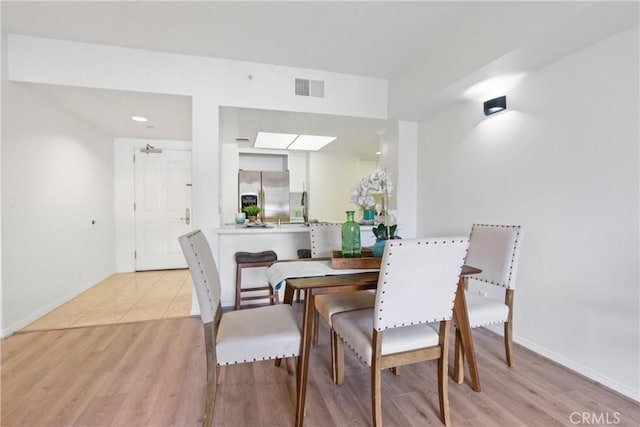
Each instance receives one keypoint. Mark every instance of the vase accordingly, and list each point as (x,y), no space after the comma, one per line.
(252,218)
(351,238)
(378,248)
(368,216)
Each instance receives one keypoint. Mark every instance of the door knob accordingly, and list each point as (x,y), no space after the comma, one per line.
(187,214)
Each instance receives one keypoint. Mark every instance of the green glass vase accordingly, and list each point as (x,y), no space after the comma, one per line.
(378,248)
(351,238)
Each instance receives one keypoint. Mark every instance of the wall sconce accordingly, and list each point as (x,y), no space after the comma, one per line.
(494,105)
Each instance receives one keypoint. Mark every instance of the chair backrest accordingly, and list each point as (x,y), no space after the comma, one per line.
(204,273)
(325,237)
(418,281)
(496,250)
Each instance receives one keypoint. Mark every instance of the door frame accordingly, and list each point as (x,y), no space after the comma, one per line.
(124,195)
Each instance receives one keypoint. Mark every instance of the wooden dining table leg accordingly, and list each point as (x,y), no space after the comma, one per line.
(464,327)
(303,359)
(288,295)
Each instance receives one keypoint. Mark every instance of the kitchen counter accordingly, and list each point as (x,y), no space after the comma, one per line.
(269,229)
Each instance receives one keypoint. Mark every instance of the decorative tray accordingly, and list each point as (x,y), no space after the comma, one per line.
(367,260)
(256,225)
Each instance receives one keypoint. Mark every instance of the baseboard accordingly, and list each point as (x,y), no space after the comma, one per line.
(10,330)
(578,368)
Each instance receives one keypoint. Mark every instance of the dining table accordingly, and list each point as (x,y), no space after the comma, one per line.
(321,279)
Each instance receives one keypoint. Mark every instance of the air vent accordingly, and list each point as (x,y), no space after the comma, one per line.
(306,87)
(302,87)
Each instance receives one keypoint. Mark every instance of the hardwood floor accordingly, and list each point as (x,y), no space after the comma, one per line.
(152,374)
(123,298)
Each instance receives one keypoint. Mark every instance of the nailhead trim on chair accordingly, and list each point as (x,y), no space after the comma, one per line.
(313,236)
(284,356)
(513,253)
(497,322)
(202,272)
(366,362)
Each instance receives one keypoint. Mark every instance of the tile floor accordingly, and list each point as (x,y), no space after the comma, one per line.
(122,298)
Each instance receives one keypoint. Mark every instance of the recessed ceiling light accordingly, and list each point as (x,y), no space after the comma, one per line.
(274,140)
(139,119)
(378,152)
(311,142)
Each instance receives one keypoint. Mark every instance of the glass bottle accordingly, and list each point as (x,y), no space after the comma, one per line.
(351,238)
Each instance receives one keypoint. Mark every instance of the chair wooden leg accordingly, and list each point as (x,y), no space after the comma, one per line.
(316,325)
(278,362)
(376,383)
(508,343)
(294,360)
(337,355)
(508,328)
(458,359)
(334,369)
(376,394)
(212,375)
(238,285)
(298,295)
(396,371)
(211,398)
(443,376)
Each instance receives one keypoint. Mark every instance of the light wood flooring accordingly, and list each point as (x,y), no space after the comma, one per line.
(153,374)
(123,298)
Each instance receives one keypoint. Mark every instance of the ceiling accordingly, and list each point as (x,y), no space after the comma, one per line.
(378,39)
(110,111)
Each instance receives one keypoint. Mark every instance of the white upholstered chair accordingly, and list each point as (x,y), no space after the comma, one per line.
(496,250)
(417,287)
(250,335)
(327,237)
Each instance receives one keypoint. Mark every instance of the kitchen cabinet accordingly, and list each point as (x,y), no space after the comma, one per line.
(297,164)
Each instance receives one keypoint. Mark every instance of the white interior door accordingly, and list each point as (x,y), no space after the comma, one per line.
(162,208)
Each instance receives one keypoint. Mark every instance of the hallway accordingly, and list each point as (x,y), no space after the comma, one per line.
(123,298)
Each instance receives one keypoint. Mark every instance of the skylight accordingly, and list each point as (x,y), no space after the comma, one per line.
(291,141)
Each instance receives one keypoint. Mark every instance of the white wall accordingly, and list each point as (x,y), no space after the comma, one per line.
(57,179)
(563,162)
(229,182)
(331,178)
(398,146)
(406,168)
(3,78)
(211,82)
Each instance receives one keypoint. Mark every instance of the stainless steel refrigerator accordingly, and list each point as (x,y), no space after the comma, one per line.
(267,189)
